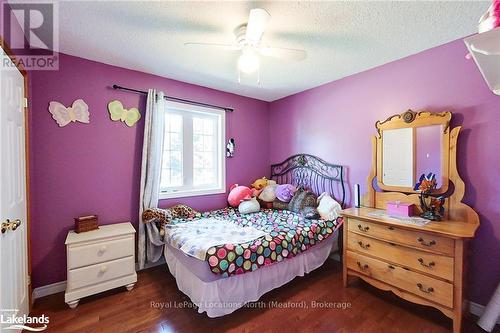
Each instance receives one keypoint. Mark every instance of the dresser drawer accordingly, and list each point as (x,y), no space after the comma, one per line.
(424,286)
(88,254)
(434,264)
(96,274)
(417,239)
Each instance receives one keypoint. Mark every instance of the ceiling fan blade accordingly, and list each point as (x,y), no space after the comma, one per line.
(282,53)
(257,22)
(229,47)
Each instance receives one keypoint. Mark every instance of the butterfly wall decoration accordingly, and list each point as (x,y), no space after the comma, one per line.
(78,111)
(117,113)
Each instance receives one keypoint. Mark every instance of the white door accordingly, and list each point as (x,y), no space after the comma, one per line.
(13,209)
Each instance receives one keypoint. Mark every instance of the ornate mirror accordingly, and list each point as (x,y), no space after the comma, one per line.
(412,144)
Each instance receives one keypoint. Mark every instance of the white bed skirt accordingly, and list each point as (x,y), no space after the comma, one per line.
(223,296)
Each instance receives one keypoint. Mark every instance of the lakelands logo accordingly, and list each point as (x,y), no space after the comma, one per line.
(10,321)
(30,29)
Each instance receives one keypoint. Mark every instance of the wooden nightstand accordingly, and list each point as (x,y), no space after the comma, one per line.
(99,260)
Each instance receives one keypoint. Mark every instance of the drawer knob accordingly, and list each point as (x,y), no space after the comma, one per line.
(390,228)
(361,266)
(424,243)
(364,246)
(364,229)
(103,269)
(103,248)
(425,290)
(429,265)
(391,267)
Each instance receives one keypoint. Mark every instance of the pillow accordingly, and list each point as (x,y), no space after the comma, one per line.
(285,192)
(304,202)
(268,194)
(249,206)
(328,208)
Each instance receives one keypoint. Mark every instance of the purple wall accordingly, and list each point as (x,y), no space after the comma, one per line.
(95,168)
(336,120)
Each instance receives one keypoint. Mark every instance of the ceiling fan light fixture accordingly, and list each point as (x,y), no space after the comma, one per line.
(248,61)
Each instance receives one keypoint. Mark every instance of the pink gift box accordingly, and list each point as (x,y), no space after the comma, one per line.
(396,208)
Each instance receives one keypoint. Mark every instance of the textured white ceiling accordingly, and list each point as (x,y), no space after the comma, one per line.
(341,38)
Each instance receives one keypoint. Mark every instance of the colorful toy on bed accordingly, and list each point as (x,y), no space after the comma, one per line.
(249,206)
(285,192)
(304,202)
(328,207)
(260,183)
(267,196)
(238,194)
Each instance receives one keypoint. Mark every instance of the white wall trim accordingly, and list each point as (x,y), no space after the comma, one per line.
(58,287)
(49,289)
(478,309)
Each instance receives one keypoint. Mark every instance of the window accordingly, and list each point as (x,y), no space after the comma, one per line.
(193,151)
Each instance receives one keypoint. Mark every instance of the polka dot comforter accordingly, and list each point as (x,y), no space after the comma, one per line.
(287,234)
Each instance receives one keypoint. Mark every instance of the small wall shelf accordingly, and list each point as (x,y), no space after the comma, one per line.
(485,49)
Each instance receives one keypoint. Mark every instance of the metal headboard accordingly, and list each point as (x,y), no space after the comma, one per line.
(311,172)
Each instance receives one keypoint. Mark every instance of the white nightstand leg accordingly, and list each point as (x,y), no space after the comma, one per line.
(130,286)
(73,304)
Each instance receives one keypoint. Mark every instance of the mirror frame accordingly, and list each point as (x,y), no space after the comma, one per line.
(412,119)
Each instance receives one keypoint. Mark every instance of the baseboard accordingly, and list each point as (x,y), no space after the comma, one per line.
(49,289)
(58,287)
(478,309)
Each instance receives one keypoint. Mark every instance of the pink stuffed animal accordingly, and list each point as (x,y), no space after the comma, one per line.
(238,194)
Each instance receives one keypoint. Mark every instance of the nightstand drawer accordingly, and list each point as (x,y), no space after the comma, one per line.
(418,284)
(96,274)
(433,264)
(93,253)
(423,240)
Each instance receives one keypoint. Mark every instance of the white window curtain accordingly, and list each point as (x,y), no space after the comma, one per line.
(150,245)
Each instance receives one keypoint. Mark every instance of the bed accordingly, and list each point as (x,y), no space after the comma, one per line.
(230,275)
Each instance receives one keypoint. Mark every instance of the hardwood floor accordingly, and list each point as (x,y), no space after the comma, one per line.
(370,310)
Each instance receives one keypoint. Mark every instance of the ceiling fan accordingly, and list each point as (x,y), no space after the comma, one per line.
(249,43)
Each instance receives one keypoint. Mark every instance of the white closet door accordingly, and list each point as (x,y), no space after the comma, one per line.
(13,204)
(398,157)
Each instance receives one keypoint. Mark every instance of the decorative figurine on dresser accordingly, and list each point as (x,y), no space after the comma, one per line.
(420,260)
(99,260)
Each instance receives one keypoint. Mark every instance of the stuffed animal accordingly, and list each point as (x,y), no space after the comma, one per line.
(328,208)
(304,202)
(260,183)
(285,192)
(268,194)
(249,206)
(237,194)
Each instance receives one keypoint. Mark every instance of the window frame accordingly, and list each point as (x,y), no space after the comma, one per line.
(220,116)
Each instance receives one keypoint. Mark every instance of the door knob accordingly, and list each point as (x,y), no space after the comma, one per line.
(10,225)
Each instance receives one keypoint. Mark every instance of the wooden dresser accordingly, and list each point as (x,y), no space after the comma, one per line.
(425,265)
(100,260)
(422,264)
